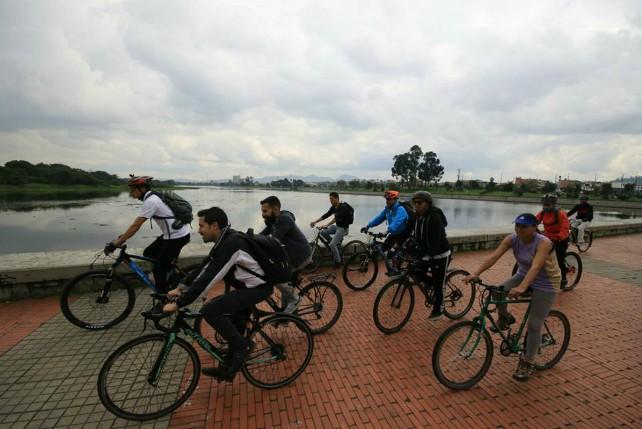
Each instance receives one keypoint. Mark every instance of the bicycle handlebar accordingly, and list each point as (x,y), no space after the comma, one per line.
(478,281)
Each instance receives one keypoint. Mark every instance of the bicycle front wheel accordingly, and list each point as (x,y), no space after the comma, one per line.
(321,305)
(458,295)
(126,384)
(360,271)
(97,300)
(283,349)
(588,240)
(353,247)
(393,306)
(462,355)
(573,267)
(556,335)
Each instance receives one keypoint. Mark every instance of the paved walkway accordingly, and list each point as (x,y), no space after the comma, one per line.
(359,377)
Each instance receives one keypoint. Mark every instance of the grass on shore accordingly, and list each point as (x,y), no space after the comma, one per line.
(41,189)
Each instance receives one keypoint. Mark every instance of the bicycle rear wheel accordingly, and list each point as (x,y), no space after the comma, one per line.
(353,247)
(321,305)
(283,349)
(393,306)
(588,240)
(556,335)
(573,267)
(124,387)
(458,296)
(360,271)
(97,300)
(462,355)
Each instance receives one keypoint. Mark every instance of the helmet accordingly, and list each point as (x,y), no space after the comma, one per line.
(422,195)
(583,197)
(549,199)
(389,194)
(526,219)
(139,181)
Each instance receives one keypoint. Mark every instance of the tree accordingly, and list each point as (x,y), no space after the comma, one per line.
(402,167)
(549,187)
(572,190)
(430,168)
(507,187)
(459,185)
(490,186)
(474,184)
(341,184)
(606,190)
(355,183)
(629,189)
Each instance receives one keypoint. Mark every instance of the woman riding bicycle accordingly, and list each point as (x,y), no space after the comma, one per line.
(538,270)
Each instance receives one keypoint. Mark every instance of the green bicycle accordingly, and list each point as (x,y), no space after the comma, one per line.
(152,375)
(463,352)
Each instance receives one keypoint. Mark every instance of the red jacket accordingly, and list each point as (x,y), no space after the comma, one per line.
(556,226)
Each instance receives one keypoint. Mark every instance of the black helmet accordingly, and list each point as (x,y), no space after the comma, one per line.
(549,199)
(422,195)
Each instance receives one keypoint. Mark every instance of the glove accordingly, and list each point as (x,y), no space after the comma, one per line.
(109,248)
(364,229)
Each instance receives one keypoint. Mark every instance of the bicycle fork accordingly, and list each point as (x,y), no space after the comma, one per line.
(103,298)
(159,364)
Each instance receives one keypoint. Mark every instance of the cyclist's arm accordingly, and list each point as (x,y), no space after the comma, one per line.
(572,211)
(543,250)
(398,221)
(492,259)
(323,216)
(133,229)
(377,219)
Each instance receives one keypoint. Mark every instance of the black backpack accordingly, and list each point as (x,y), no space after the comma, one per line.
(350,219)
(181,209)
(270,253)
(407,205)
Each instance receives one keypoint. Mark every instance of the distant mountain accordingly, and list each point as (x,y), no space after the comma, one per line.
(308,179)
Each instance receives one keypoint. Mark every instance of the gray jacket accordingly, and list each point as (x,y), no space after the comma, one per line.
(285,229)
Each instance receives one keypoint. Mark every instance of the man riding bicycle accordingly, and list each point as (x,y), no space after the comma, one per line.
(229,260)
(584,215)
(167,247)
(556,229)
(338,227)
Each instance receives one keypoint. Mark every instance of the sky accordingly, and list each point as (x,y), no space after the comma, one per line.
(208,89)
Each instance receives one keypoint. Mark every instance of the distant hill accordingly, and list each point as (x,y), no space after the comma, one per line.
(307,179)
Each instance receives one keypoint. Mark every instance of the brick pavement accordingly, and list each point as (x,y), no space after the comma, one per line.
(359,377)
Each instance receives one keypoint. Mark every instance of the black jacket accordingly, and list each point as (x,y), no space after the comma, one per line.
(429,232)
(285,229)
(222,264)
(584,211)
(342,215)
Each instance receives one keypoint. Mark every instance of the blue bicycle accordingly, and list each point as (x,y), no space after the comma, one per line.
(100,299)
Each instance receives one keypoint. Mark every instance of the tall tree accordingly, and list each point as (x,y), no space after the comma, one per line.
(402,167)
(430,169)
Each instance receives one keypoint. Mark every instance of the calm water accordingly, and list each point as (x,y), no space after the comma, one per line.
(36,226)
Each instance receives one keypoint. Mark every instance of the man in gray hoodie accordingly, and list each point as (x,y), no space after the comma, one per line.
(281,225)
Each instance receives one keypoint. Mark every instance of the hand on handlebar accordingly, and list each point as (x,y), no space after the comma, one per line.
(517,291)
(364,229)
(109,248)
(172,307)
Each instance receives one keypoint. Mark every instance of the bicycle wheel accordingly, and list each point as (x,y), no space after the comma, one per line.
(316,260)
(588,240)
(458,296)
(321,305)
(556,335)
(393,306)
(283,349)
(97,300)
(573,267)
(124,387)
(354,246)
(462,355)
(360,271)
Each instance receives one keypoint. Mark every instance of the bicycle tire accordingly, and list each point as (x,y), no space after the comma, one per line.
(353,247)
(548,339)
(266,345)
(588,241)
(314,265)
(455,293)
(574,269)
(71,306)
(310,295)
(360,263)
(438,359)
(383,304)
(183,393)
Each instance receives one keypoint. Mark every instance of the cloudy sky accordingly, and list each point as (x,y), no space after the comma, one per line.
(208,89)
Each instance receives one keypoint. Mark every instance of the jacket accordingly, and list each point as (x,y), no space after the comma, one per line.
(396,216)
(556,225)
(429,231)
(285,229)
(584,211)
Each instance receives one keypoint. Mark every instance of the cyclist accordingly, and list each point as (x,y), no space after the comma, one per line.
(396,215)
(167,247)
(538,270)
(426,230)
(556,229)
(281,224)
(229,260)
(338,227)
(584,215)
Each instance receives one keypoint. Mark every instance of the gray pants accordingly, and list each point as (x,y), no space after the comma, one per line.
(335,239)
(287,292)
(541,304)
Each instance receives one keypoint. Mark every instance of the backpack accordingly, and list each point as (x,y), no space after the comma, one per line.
(270,253)
(407,205)
(181,209)
(350,218)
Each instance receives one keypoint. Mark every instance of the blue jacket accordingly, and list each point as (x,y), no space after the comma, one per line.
(396,216)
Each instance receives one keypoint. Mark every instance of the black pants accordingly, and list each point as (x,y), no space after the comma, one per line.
(436,280)
(218,311)
(560,251)
(164,252)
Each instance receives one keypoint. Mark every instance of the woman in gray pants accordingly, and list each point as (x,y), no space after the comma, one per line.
(537,269)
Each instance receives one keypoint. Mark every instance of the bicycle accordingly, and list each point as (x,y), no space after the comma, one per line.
(588,236)
(464,351)
(351,248)
(395,301)
(361,269)
(152,375)
(573,267)
(100,299)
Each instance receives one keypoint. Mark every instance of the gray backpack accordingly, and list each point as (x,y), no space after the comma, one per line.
(181,209)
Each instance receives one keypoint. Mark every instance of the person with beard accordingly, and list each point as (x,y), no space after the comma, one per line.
(556,229)
(281,225)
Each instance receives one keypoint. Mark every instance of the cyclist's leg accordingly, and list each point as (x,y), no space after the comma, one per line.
(328,232)
(508,284)
(167,253)
(580,231)
(541,304)
(385,246)
(151,251)
(438,270)
(336,242)
(289,297)
(560,251)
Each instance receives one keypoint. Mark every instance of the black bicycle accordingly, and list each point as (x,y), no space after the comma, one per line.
(361,269)
(100,299)
(319,241)
(150,376)
(574,231)
(573,268)
(395,301)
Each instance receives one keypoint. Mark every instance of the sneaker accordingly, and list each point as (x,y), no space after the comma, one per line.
(221,373)
(292,305)
(563,283)
(436,313)
(503,323)
(524,370)
(240,355)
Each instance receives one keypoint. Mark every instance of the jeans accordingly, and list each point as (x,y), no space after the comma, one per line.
(581,227)
(287,291)
(164,252)
(335,235)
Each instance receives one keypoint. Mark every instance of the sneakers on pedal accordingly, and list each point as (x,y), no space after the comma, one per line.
(503,323)
(292,305)
(227,370)
(524,370)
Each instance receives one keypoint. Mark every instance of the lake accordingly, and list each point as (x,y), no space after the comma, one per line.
(88,223)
